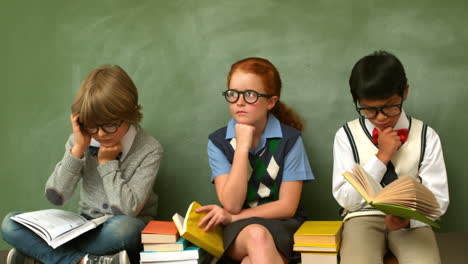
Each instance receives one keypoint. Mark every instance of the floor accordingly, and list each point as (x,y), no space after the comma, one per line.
(453,248)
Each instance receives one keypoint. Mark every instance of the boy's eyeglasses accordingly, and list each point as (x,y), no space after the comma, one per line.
(387,110)
(109,128)
(250,96)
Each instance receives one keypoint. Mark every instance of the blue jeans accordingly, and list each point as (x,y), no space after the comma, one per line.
(118,233)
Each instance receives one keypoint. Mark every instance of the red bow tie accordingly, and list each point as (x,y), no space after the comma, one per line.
(403,133)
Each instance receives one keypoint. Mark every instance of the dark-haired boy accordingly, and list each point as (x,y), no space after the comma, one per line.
(387,143)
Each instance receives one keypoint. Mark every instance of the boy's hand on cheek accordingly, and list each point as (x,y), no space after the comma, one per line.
(82,140)
(244,136)
(389,142)
(106,154)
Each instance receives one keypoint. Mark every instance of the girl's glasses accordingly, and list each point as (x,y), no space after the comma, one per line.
(109,128)
(250,96)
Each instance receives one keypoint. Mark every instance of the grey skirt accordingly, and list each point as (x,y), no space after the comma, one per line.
(282,231)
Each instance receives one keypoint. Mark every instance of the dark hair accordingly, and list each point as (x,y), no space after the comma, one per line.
(377,76)
(272,82)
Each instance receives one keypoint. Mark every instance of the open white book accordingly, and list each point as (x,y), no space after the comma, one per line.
(57,226)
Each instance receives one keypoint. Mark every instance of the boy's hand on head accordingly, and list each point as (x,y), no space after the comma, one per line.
(82,140)
(244,136)
(389,142)
(394,223)
(216,215)
(106,154)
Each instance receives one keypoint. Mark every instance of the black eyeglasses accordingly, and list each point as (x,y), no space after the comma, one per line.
(109,128)
(250,96)
(387,110)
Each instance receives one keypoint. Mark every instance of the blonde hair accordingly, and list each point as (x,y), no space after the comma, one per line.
(107,94)
(272,82)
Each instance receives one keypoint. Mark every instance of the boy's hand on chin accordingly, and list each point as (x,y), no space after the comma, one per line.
(106,154)
(389,142)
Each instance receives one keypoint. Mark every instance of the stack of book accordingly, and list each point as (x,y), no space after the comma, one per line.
(190,255)
(162,243)
(318,241)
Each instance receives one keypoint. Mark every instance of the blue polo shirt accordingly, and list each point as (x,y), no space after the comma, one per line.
(296,164)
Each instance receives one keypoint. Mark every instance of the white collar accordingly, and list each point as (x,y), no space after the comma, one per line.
(127,141)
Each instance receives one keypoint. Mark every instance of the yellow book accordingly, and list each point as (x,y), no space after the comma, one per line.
(211,241)
(319,232)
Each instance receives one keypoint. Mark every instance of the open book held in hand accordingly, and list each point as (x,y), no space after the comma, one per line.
(211,241)
(405,197)
(56,226)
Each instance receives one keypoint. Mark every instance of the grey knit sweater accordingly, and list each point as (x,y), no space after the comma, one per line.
(115,187)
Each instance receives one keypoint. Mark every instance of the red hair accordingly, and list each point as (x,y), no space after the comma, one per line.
(272,83)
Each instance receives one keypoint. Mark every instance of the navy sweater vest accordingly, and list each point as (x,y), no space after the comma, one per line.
(267,165)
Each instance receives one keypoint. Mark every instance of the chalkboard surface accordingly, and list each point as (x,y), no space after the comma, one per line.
(179,52)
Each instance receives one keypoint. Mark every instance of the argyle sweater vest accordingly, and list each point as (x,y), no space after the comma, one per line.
(266,166)
(406,161)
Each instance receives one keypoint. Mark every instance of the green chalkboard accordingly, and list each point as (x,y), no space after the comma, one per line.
(178,52)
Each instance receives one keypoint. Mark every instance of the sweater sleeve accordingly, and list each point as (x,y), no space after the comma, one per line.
(67,173)
(127,195)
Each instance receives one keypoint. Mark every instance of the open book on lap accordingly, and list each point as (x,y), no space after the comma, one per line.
(56,226)
(405,197)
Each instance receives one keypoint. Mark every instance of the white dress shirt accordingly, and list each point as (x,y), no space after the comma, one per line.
(432,170)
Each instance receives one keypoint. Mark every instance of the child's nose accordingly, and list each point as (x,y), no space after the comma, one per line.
(241,100)
(101,132)
(381,115)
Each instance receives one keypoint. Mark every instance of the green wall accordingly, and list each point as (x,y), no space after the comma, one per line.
(179,52)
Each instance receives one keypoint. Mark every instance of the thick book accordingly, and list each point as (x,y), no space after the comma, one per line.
(56,226)
(159,232)
(180,244)
(319,257)
(189,253)
(316,233)
(211,241)
(404,197)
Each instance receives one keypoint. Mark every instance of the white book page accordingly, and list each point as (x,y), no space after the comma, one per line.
(65,237)
(179,222)
(376,187)
(52,221)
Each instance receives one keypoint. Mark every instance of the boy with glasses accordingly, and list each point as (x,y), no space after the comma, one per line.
(388,144)
(116,162)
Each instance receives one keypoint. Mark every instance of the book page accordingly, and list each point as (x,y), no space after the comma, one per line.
(179,222)
(365,185)
(51,222)
(407,192)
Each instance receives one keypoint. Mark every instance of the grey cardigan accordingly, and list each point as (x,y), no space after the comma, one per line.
(115,187)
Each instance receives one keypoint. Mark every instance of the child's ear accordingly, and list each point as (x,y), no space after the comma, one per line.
(272,102)
(405,93)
